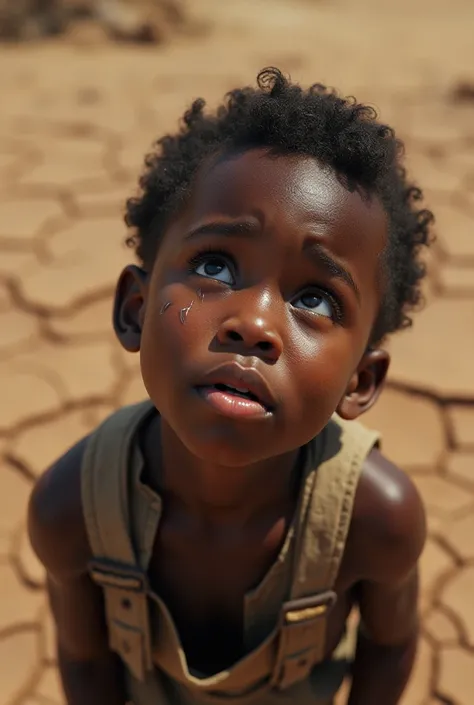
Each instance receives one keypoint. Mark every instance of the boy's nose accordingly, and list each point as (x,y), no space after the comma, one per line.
(252,335)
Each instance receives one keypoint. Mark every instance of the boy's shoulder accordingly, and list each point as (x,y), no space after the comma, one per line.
(56,523)
(388,528)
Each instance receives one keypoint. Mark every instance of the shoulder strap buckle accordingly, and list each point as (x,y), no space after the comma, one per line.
(126,592)
(301,637)
(118,575)
(307,608)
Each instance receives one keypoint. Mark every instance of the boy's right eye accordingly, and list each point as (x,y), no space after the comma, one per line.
(213,267)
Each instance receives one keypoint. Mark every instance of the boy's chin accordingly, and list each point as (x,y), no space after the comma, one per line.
(225,451)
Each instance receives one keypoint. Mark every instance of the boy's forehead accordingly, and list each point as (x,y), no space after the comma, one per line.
(294,187)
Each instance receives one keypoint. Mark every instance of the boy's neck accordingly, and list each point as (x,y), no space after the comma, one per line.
(218,494)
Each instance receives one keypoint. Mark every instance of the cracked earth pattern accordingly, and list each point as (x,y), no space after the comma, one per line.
(75,121)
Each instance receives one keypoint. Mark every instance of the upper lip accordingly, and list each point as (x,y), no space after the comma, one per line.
(234,375)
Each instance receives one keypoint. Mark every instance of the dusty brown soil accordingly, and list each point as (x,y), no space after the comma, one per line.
(75,120)
(139,21)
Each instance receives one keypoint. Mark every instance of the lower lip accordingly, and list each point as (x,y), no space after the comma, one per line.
(229,404)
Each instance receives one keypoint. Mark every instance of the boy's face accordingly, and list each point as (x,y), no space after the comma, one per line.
(267,281)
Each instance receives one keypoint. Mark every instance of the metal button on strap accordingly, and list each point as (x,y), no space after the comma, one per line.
(308,613)
(308,608)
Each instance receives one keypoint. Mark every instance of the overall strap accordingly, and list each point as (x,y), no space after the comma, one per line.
(325,519)
(105,487)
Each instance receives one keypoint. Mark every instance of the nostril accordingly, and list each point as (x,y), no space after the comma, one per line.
(265,345)
(233,335)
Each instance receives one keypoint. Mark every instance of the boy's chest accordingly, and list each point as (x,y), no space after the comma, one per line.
(203,577)
(203,580)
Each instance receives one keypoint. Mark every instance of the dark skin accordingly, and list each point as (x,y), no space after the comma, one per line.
(293,293)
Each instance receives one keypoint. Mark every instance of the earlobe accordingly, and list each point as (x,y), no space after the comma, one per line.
(365,385)
(129,307)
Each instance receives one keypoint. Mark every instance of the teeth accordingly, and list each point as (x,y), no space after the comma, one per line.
(237,390)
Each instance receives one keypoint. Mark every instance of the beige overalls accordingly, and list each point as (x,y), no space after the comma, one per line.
(284,616)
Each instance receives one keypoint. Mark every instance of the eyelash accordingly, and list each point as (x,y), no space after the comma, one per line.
(205,252)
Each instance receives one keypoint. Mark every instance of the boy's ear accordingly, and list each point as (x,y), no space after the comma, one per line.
(365,385)
(129,307)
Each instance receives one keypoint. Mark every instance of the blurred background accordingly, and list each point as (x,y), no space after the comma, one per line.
(86,87)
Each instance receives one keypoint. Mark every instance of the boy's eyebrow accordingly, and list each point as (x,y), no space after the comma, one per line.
(312,248)
(316,252)
(241,227)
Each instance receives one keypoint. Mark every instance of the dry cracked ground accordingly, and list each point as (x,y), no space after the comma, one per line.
(75,121)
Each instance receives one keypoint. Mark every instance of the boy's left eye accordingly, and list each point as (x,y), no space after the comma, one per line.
(316,302)
(214,267)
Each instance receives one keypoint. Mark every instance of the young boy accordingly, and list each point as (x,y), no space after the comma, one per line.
(208,545)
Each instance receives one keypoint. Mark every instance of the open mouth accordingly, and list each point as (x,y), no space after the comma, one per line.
(238,391)
(233,401)
(234,390)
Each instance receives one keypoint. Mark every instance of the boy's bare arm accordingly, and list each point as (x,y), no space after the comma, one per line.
(388,595)
(91,674)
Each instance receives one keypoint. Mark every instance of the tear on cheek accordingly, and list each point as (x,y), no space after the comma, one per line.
(165,307)
(183,313)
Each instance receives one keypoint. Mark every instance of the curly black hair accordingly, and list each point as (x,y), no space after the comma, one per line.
(280,115)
